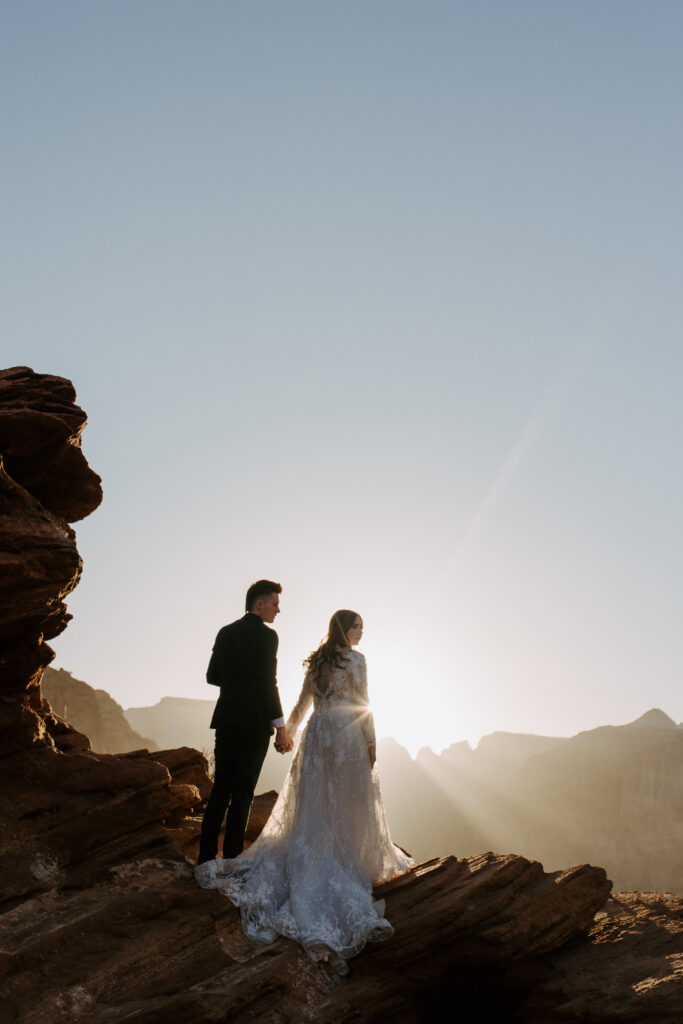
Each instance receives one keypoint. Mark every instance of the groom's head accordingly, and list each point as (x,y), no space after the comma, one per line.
(263,599)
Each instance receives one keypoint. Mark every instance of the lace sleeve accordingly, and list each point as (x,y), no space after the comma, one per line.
(302,705)
(366,720)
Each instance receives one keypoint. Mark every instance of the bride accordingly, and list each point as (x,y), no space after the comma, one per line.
(309,875)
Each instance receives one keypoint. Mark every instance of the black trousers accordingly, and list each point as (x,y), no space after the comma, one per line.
(239,758)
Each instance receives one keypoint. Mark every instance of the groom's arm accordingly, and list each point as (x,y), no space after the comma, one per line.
(214,671)
(267,675)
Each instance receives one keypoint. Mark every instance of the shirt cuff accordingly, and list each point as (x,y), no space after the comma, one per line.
(278,722)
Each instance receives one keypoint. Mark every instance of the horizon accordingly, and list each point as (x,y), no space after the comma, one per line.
(412,750)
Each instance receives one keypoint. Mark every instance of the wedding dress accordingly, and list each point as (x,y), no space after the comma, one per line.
(309,875)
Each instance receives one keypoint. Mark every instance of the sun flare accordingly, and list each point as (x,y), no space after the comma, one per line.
(398,688)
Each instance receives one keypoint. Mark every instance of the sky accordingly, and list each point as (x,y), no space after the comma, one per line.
(377,299)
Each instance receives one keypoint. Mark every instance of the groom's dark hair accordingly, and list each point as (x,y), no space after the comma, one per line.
(260,589)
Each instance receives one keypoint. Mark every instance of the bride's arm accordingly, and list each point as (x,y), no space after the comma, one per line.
(367,722)
(302,705)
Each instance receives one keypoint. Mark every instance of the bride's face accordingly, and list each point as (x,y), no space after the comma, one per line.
(355,632)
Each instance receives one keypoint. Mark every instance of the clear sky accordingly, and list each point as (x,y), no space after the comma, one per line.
(380,299)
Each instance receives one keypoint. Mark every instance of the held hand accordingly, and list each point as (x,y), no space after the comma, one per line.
(372,754)
(283,741)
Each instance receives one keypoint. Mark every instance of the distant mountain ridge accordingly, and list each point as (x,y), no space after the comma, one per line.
(611,795)
(654,719)
(92,712)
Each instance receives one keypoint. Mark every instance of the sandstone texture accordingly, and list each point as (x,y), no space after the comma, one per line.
(143,941)
(629,968)
(66,811)
(45,483)
(101,920)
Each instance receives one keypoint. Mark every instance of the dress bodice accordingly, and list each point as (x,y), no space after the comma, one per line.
(337,687)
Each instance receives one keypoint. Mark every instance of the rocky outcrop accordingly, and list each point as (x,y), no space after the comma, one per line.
(144,941)
(92,712)
(629,968)
(186,767)
(66,813)
(45,483)
(41,426)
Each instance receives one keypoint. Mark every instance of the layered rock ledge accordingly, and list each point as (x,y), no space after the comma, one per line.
(66,811)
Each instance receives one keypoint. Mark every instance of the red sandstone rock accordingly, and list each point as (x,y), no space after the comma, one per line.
(188,766)
(39,566)
(61,803)
(45,482)
(259,814)
(629,967)
(144,941)
(40,441)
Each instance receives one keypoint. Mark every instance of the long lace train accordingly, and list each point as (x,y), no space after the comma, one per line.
(309,875)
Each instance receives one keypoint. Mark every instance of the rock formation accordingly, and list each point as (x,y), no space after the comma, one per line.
(100,917)
(93,712)
(45,483)
(66,812)
(629,968)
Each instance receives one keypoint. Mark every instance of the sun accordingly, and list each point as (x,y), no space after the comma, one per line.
(402,699)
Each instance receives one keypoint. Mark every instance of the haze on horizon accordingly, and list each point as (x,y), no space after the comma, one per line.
(380,301)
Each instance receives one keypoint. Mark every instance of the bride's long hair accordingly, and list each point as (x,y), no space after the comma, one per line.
(333,649)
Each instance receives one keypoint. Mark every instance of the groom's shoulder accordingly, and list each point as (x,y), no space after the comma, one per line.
(248,623)
(231,628)
(270,634)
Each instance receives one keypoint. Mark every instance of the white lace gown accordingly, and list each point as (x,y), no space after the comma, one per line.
(309,875)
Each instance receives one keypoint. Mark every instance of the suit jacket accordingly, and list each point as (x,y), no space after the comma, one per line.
(244,665)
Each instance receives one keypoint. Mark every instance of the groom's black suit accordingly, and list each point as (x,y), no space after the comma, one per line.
(243,665)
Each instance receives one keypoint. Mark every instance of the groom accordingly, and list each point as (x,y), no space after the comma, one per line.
(243,665)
